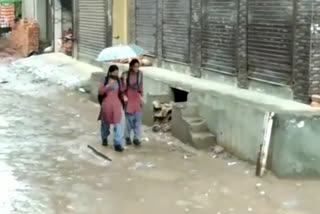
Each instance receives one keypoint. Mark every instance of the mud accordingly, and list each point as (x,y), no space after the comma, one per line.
(46,167)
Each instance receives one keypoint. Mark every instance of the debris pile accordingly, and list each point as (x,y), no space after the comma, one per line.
(315,101)
(217,151)
(7,53)
(25,37)
(66,42)
(162,116)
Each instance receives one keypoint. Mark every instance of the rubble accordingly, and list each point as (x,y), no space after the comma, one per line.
(315,101)
(162,116)
(217,150)
(66,42)
(7,53)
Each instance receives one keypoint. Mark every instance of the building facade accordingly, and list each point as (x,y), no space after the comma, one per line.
(252,44)
(92,28)
(269,46)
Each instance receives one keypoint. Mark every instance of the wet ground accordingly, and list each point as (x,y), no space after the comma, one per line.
(46,167)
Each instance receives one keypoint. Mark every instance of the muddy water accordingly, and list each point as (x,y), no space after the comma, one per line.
(46,167)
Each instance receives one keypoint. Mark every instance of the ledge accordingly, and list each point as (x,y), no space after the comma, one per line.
(261,100)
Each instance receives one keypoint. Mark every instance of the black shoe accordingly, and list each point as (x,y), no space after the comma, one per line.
(118,148)
(128,141)
(105,143)
(137,142)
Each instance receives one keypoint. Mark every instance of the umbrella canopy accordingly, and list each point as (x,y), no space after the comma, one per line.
(120,52)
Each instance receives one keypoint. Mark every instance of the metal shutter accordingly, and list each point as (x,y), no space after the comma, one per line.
(92,29)
(219,35)
(176,30)
(270,40)
(146,25)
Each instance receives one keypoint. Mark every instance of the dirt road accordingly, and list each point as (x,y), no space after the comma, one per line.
(46,167)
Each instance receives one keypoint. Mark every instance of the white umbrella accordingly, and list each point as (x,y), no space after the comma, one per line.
(120,52)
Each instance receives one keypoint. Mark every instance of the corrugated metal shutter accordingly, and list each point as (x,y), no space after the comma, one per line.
(270,40)
(146,25)
(176,30)
(219,35)
(92,28)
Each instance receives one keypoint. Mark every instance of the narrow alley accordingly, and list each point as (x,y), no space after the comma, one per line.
(46,166)
(219,86)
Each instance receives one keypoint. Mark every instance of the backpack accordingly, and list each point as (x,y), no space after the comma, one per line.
(136,85)
(101,97)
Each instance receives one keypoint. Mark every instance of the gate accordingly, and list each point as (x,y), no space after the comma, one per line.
(176,30)
(146,25)
(219,35)
(92,28)
(270,42)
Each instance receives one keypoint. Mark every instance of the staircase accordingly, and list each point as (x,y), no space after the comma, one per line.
(190,128)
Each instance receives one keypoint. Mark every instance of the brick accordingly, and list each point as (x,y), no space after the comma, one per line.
(7,12)
(25,37)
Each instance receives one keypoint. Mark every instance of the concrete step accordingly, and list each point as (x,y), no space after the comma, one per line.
(203,140)
(196,124)
(190,110)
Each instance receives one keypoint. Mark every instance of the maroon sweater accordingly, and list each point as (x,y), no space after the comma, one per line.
(134,94)
(111,105)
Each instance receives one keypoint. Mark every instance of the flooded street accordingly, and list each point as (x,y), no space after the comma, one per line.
(46,167)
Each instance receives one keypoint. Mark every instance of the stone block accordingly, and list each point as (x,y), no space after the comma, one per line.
(196,124)
(203,140)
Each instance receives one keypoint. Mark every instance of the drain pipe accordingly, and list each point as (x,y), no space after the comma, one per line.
(264,148)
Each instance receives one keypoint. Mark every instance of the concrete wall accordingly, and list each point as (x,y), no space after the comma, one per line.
(302,75)
(236,117)
(280,91)
(50,24)
(37,9)
(227,118)
(41,17)
(29,9)
(296,145)
(66,19)
(57,24)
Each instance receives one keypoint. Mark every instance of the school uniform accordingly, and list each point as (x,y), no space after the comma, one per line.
(111,111)
(133,107)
